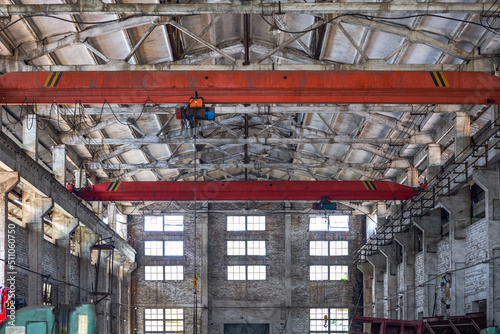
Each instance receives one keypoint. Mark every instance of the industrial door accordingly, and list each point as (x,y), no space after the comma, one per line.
(246,328)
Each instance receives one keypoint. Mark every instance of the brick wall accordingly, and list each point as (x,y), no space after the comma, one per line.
(250,301)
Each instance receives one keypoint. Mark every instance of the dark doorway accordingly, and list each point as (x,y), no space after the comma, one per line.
(246,328)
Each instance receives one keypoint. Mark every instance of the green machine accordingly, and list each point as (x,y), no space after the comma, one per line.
(46,319)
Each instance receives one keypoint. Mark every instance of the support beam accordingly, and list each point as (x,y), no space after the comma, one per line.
(462,133)
(252,87)
(8,180)
(423,138)
(35,207)
(30,136)
(32,173)
(434,160)
(244,190)
(59,163)
(252,7)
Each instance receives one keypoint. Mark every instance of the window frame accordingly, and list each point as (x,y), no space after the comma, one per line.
(327,270)
(163,319)
(329,227)
(320,329)
(163,223)
(328,250)
(246,247)
(246,272)
(246,223)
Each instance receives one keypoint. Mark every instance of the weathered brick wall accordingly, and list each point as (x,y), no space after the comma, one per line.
(419,279)
(443,266)
(249,301)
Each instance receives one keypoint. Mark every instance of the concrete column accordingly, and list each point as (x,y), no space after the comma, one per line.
(35,208)
(59,163)
(462,132)
(367,270)
(407,289)
(489,180)
(8,181)
(379,266)
(98,209)
(495,115)
(381,214)
(288,268)
(62,226)
(30,136)
(390,280)
(112,216)
(87,240)
(431,227)
(433,160)
(459,207)
(203,279)
(412,179)
(128,267)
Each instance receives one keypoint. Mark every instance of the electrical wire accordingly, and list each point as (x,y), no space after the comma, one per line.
(380,19)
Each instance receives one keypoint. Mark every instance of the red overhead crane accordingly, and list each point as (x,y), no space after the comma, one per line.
(246,190)
(246,87)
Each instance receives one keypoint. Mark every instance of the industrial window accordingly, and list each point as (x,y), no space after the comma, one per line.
(153,273)
(246,223)
(235,247)
(153,248)
(241,273)
(332,273)
(174,273)
(250,247)
(164,223)
(339,248)
(318,248)
(174,248)
(318,273)
(168,321)
(338,273)
(337,320)
(328,248)
(47,294)
(330,223)
(256,247)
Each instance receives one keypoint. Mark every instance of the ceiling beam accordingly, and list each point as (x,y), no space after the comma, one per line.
(421,138)
(284,87)
(478,65)
(252,7)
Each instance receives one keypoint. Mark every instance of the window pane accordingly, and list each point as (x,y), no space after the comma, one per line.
(154,248)
(236,223)
(153,223)
(318,248)
(153,326)
(153,273)
(174,320)
(339,319)
(318,224)
(235,247)
(256,247)
(174,273)
(318,273)
(174,248)
(256,223)
(236,273)
(339,248)
(256,272)
(317,322)
(173,223)
(153,314)
(338,273)
(339,223)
